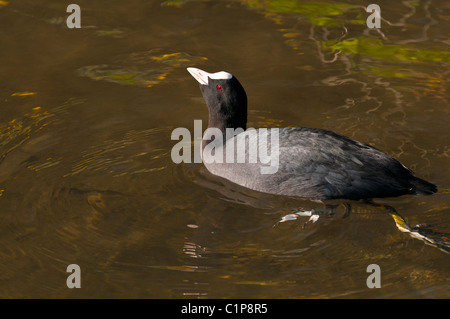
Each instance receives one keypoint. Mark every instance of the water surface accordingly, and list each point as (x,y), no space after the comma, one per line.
(86,175)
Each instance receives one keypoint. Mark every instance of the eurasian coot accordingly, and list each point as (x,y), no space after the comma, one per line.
(311,163)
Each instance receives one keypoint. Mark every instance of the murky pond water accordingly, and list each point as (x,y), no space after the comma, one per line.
(86,175)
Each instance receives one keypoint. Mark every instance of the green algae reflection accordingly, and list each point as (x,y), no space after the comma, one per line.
(318,13)
(376,49)
(141,68)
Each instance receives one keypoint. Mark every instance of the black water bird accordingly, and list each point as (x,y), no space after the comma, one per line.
(312,163)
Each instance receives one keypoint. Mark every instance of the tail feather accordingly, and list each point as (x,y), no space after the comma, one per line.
(422,187)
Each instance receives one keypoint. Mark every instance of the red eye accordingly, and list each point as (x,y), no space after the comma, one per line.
(219,87)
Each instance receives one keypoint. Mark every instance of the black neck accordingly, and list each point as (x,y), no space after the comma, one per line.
(223,123)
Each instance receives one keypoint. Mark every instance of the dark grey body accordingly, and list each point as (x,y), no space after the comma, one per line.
(320,164)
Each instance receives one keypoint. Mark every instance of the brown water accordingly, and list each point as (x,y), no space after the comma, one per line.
(86,175)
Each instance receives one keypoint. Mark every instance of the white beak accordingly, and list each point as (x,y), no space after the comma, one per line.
(203,76)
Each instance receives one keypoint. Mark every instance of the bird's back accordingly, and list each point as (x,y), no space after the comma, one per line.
(320,164)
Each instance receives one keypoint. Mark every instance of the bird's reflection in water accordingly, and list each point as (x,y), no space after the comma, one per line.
(317,210)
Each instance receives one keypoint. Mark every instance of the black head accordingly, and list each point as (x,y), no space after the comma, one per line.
(225,98)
